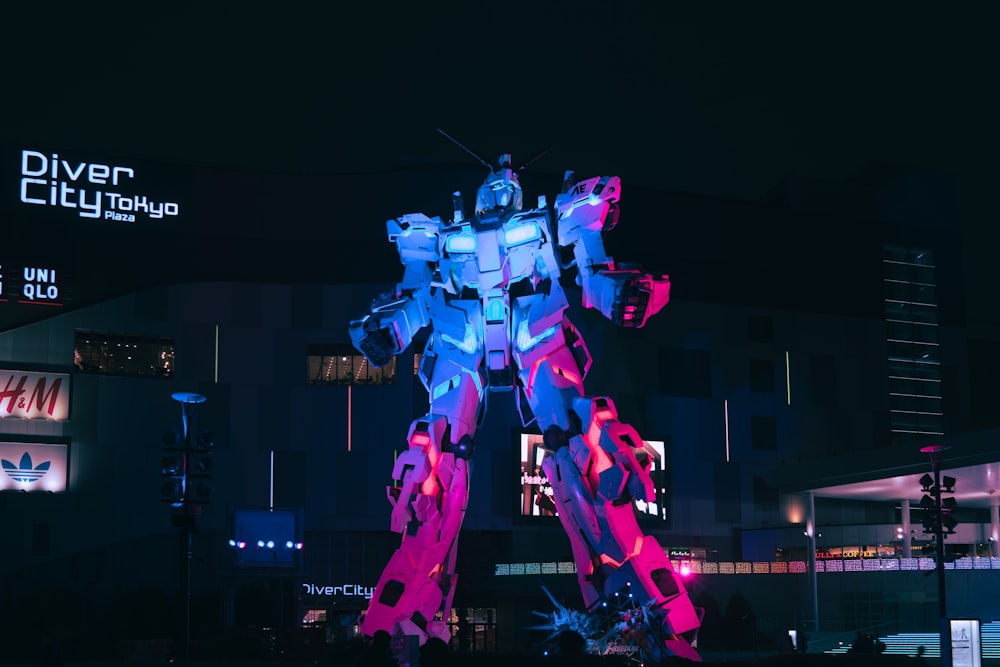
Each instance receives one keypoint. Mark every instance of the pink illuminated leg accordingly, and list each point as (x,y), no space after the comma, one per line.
(429,499)
(596,477)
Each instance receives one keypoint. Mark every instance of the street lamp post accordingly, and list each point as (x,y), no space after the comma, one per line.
(935,452)
(185,520)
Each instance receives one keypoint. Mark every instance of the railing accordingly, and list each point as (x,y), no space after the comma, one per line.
(772,567)
(910,643)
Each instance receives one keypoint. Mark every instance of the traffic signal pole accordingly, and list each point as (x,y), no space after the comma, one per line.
(945,627)
(188,401)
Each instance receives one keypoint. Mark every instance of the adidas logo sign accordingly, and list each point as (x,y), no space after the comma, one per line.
(25,471)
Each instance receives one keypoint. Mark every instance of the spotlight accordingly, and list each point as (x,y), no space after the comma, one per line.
(270,544)
(205,440)
(232,543)
(260,544)
(289,544)
(171,466)
(172,491)
(202,465)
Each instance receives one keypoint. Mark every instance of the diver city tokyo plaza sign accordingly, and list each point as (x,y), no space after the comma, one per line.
(34,395)
(92,190)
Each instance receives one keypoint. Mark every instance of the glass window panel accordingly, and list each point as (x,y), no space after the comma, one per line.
(104,353)
(342,365)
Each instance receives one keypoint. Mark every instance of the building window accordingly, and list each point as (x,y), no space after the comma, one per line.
(914,356)
(41,539)
(728,495)
(763,433)
(342,364)
(116,354)
(823,379)
(762,376)
(765,496)
(685,372)
(760,329)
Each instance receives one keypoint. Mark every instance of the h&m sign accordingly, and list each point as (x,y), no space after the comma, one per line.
(34,395)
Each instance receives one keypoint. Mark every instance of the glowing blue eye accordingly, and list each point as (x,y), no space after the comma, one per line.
(461,243)
(519,234)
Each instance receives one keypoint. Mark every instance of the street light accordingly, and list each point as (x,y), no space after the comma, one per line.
(187,467)
(937,521)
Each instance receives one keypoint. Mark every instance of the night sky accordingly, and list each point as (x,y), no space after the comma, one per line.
(724,99)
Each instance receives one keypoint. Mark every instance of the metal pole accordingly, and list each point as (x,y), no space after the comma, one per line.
(186,566)
(811,531)
(904,511)
(944,628)
(994,527)
(187,400)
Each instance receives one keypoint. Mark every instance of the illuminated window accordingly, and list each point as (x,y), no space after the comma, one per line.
(342,364)
(117,354)
(915,397)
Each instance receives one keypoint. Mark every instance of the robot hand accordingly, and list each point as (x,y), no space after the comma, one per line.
(376,343)
(634,296)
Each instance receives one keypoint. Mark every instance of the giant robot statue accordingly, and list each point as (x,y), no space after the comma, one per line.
(489,287)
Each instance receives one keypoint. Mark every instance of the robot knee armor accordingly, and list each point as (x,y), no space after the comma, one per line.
(464,448)
(554,438)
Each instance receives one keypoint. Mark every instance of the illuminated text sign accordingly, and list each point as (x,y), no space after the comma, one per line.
(34,395)
(349,590)
(33,467)
(38,285)
(98,191)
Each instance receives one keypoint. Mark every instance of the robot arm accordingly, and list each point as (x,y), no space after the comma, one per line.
(397,316)
(625,295)
(621,292)
(388,330)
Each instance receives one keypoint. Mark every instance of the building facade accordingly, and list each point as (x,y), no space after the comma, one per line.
(804,336)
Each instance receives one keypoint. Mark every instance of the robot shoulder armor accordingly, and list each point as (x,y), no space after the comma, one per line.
(415,236)
(591,191)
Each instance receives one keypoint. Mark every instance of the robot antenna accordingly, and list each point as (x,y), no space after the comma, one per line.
(537,156)
(464,148)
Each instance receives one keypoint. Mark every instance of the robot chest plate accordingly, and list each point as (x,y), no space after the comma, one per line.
(493,259)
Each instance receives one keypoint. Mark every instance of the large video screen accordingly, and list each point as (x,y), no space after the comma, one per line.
(536,491)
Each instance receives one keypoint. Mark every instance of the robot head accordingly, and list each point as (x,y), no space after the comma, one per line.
(500,191)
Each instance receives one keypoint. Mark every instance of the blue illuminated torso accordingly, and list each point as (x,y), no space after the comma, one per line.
(487,255)
(497,272)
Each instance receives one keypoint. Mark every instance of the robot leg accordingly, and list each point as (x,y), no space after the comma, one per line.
(596,477)
(415,591)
